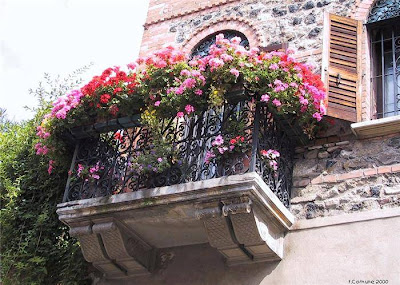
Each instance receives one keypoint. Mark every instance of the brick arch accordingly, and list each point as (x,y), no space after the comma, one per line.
(227,23)
(362,9)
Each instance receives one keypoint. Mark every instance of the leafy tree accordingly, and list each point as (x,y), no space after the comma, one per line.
(35,246)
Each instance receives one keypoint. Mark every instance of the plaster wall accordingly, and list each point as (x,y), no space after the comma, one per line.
(317,253)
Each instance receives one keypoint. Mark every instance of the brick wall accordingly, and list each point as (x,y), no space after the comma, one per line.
(299,23)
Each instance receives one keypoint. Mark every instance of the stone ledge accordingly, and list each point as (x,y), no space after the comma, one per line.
(376,128)
(238,215)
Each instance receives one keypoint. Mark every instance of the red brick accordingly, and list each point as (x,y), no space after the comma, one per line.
(317,180)
(370,171)
(350,175)
(384,169)
(396,167)
(330,178)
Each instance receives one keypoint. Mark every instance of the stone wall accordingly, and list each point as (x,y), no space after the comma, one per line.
(333,176)
(299,23)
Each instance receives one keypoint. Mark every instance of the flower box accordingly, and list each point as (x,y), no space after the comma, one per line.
(126,122)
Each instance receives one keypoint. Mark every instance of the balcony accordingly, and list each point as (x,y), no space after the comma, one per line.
(237,203)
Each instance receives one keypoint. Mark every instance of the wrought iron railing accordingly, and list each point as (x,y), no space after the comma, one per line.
(192,137)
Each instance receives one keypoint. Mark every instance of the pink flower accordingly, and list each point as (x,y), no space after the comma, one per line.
(236,40)
(185,72)
(274,66)
(276,102)
(226,57)
(209,156)
(219,140)
(80,169)
(157,103)
(189,109)
(159,159)
(317,116)
(215,63)
(131,65)
(219,38)
(179,90)
(95,176)
(265,98)
(198,92)
(322,109)
(235,72)
(222,149)
(180,114)
(189,83)
(50,169)
(303,101)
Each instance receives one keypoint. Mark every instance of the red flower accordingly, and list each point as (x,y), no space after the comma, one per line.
(240,138)
(118,136)
(233,141)
(105,98)
(118,89)
(114,110)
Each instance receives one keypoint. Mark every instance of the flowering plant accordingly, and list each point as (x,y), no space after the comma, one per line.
(221,148)
(158,158)
(89,173)
(271,157)
(167,85)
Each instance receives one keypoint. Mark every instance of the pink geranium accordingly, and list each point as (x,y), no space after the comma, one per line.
(276,102)
(189,109)
(265,98)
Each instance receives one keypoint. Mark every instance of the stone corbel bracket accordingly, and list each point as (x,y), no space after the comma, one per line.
(114,249)
(242,233)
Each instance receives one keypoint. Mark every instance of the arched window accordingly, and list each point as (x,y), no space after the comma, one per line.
(203,47)
(384,30)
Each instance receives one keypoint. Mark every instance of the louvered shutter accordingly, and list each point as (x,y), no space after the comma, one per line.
(342,76)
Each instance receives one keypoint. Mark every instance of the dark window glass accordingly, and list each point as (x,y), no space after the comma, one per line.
(385,43)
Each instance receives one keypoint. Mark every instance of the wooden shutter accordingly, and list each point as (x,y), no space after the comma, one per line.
(342,68)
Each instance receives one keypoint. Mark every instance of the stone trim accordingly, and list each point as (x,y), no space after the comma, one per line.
(333,178)
(192,11)
(226,23)
(376,128)
(345,219)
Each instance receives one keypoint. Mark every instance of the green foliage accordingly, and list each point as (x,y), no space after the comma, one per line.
(35,246)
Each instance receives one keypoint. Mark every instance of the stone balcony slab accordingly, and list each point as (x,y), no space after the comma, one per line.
(238,215)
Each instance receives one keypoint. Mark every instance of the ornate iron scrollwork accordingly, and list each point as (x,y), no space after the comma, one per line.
(384,10)
(192,138)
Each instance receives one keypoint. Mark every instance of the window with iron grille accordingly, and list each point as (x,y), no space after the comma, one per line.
(384,30)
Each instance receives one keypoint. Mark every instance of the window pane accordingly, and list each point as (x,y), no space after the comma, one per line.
(389,98)
(388,61)
(377,63)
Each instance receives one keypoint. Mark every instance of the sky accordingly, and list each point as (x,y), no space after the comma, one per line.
(60,36)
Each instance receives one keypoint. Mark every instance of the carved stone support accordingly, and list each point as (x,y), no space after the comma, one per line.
(93,251)
(114,249)
(241,234)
